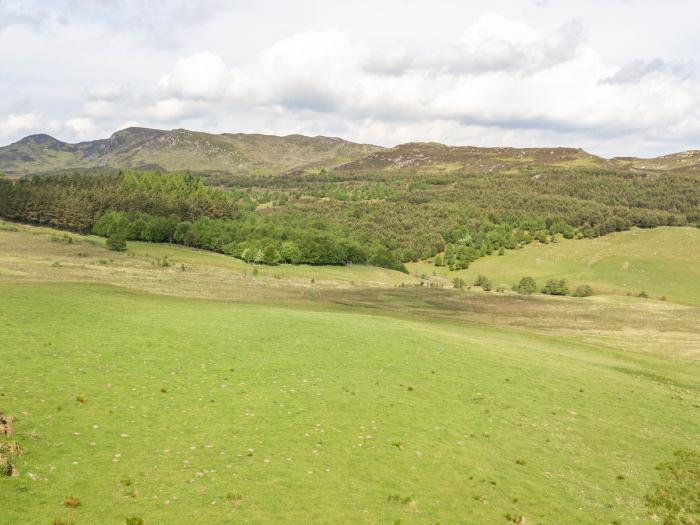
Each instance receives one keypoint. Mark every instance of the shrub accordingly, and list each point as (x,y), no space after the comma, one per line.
(270,255)
(458,283)
(526,286)
(583,291)
(134,521)
(116,242)
(484,282)
(643,295)
(554,287)
(6,468)
(290,252)
(381,256)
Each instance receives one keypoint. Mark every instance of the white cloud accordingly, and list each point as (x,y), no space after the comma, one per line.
(100,109)
(170,110)
(107,91)
(547,73)
(520,80)
(202,76)
(81,127)
(15,123)
(639,69)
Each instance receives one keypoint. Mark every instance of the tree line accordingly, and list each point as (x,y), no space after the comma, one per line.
(384,218)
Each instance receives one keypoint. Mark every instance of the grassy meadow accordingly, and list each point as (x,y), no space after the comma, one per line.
(204,391)
(662,261)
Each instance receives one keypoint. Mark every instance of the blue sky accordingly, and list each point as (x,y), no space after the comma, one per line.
(616,77)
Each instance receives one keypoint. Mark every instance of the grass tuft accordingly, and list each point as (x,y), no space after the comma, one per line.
(71,502)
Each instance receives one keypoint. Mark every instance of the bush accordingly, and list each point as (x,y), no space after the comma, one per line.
(554,287)
(484,282)
(6,468)
(526,286)
(116,242)
(134,521)
(643,295)
(458,283)
(270,255)
(382,257)
(290,252)
(584,290)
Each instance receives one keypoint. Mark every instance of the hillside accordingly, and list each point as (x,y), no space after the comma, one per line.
(439,157)
(203,390)
(683,161)
(664,262)
(142,148)
(227,156)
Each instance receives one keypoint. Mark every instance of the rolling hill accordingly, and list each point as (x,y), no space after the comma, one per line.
(180,149)
(202,390)
(439,157)
(229,155)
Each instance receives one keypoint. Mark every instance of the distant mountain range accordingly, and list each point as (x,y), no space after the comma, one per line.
(235,154)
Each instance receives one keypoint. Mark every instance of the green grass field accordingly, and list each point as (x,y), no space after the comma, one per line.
(661,261)
(211,395)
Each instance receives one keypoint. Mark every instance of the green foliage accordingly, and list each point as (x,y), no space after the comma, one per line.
(484,282)
(583,290)
(643,295)
(556,287)
(526,286)
(290,252)
(338,216)
(116,242)
(458,283)
(381,256)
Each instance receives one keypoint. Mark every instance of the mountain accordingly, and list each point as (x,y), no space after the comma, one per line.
(683,161)
(180,149)
(228,155)
(438,157)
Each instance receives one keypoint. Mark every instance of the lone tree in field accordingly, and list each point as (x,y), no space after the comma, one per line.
(526,286)
(116,242)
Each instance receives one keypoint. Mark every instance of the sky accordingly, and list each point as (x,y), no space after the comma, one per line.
(615,77)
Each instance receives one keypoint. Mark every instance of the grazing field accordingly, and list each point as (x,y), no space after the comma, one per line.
(211,394)
(662,261)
